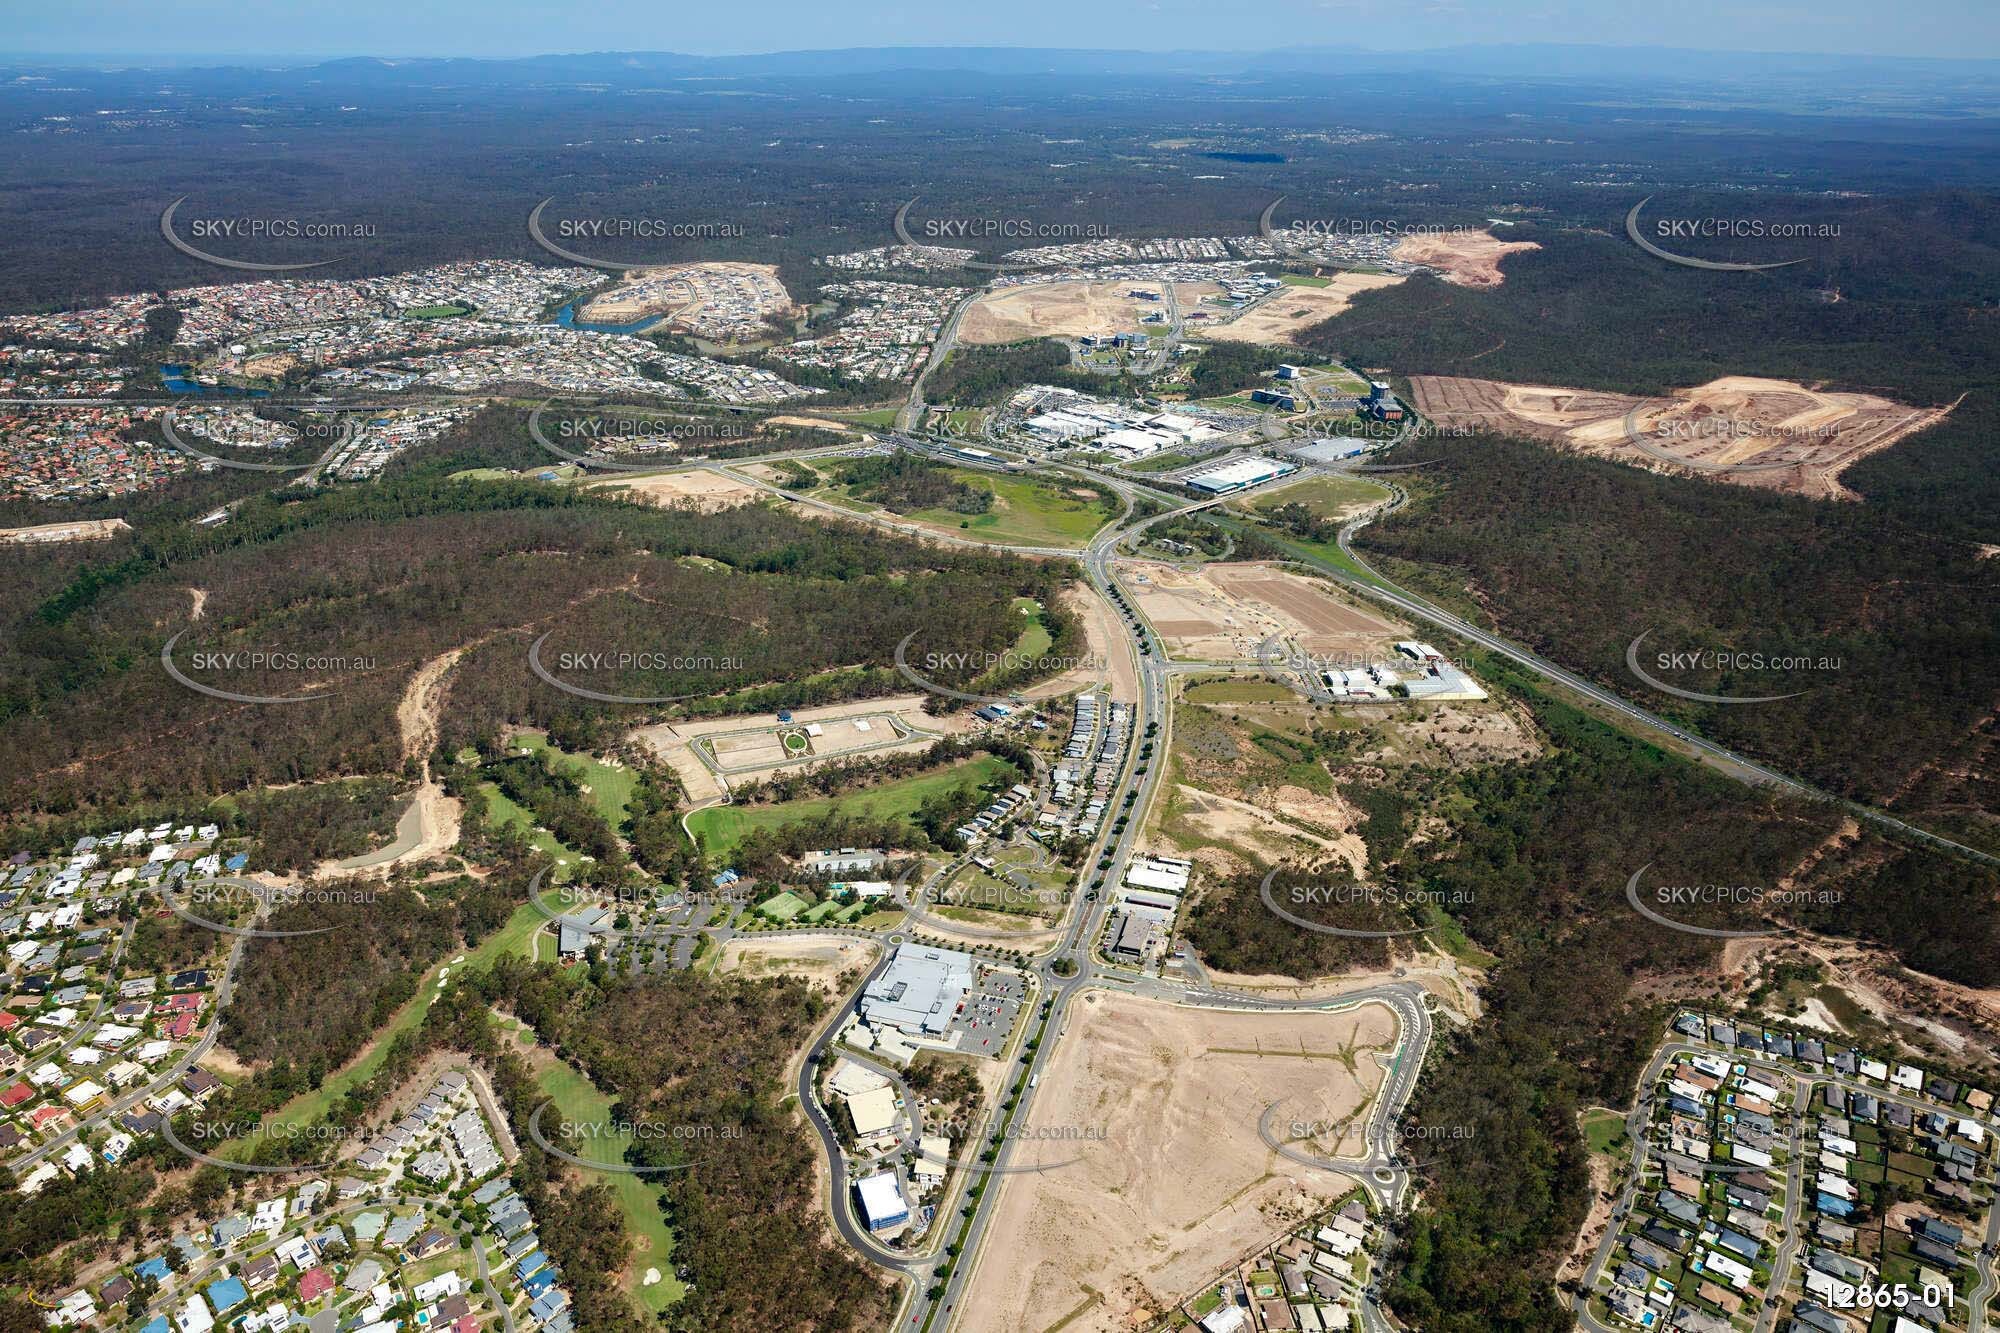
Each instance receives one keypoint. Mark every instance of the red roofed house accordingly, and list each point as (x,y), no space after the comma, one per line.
(17,1094)
(314,1283)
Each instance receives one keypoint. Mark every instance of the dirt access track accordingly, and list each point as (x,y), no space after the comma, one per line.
(1279,318)
(1221,612)
(1069,310)
(1158,1104)
(1771,434)
(1462,258)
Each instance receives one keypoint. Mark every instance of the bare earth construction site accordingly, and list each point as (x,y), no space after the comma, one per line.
(1169,1172)
(1755,432)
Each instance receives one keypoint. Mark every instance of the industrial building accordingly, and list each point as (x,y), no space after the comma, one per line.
(1239,474)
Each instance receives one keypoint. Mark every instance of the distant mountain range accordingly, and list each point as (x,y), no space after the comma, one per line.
(1644,75)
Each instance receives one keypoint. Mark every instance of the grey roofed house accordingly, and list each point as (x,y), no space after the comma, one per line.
(1651,1255)
(1898,1115)
(1697,1320)
(230,1229)
(1631,1275)
(515,1221)
(1836,1096)
(1942,1232)
(1863,1107)
(524,1244)
(363,1275)
(1749,1041)
(333,1235)
(190,1248)
(1678,1207)
(491,1190)
(1845,1062)
(72,995)
(1832,1232)
(1746,1246)
(1812,1317)
(1838,1265)
(549,1304)
(310,1194)
(1941,1089)
(371,1159)
(403,1228)
(347,1187)
(368,1225)
(1689,1025)
(1931,1252)
(1811,1051)
(560,1324)
(431,1165)
(1742,1196)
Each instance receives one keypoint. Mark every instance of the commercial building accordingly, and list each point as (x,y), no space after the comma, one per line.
(920,990)
(882,1205)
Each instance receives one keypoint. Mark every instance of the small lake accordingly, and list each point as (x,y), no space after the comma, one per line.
(176,380)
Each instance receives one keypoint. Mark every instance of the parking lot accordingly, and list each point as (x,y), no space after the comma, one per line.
(990,1011)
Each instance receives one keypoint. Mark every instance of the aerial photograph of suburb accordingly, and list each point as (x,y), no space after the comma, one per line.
(860,666)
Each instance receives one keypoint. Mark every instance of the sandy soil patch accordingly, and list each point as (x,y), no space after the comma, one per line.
(1284,314)
(1773,433)
(81,530)
(1466,258)
(709,298)
(1057,310)
(813,423)
(819,963)
(1178,1180)
(1103,643)
(1467,734)
(708,491)
(1222,612)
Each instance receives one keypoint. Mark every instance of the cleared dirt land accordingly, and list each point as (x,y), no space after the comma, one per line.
(1280,317)
(1465,258)
(693,295)
(819,963)
(1221,612)
(707,491)
(1179,1182)
(1754,432)
(1067,310)
(82,530)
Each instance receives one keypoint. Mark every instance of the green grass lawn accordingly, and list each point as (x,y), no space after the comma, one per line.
(783,907)
(881,420)
(1024,510)
(1162,462)
(722,827)
(1238,692)
(1304,280)
(437,311)
(503,812)
(1604,1131)
(577,1100)
(1327,497)
(610,787)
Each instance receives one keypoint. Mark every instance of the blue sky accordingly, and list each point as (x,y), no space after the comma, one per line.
(501,28)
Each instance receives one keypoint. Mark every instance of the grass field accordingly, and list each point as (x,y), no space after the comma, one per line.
(1327,497)
(1304,280)
(437,311)
(1025,511)
(881,420)
(1604,1131)
(722,827)
(503,812)
(610,787)
(580,1102)
(1238,692)
(1162,462)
